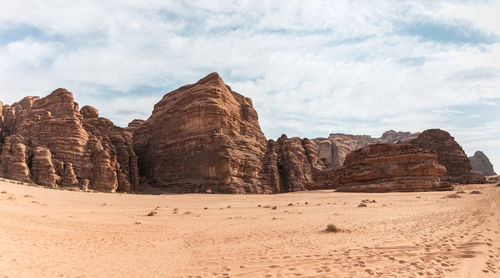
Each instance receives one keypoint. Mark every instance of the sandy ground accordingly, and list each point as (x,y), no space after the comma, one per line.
(56,233)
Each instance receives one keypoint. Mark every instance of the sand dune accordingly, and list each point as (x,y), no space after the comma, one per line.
(55,233)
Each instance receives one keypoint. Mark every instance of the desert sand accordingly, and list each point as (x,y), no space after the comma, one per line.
(58,233)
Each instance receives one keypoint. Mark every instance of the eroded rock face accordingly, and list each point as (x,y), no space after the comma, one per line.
(334,149)
(203,137)
(390,167)
(481,164)
(293,164)
(50,142)
(450,154)
(42,169)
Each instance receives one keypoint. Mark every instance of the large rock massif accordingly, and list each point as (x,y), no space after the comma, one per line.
(205,137)
(390,167)
(481,164)
(450,154)
(50,142)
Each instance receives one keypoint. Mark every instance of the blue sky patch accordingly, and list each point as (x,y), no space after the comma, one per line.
(447,33)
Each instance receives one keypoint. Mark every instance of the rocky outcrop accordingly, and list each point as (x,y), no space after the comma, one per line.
(293,164)
(42,168)
(390,167)
(13,159)
(343,144)
(133,125)
(334,149)
(50,142)
(392,136)
(203,137)
(450,154)
(481,164)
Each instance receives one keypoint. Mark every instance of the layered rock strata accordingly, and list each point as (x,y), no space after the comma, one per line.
(49,141)
(337,146)
(204,137)
(390,167)
(450,154)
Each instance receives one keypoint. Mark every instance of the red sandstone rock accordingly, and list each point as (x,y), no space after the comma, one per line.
(64,147)
(390,167)
(13,159)
(89,112)
(334,149)
(293,164)
(450,154)
(203,137)
(42,169)
(135,124)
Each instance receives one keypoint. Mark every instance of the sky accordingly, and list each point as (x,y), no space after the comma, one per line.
(311,67)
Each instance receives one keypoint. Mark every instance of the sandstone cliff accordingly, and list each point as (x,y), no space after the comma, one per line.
(390,167)
(450,154)
(50,142)
(481,164)
(205,137)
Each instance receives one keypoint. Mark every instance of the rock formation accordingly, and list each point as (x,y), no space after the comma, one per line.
(450,154)
(203,137)
(390,167)
(334,149)
(50,142)
(481,164)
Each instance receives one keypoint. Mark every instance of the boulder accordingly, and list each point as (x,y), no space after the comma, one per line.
(89,112)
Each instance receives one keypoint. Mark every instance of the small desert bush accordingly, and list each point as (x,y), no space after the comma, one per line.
(331,228)
(274,207)
(152,213)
